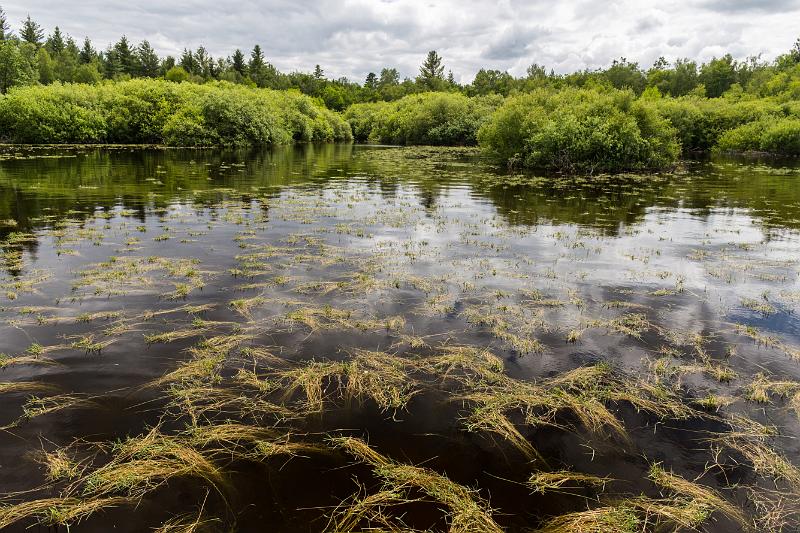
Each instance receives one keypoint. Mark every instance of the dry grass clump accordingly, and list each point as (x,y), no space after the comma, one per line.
(57,511)
(562,480)
(466,510)
(379,376)
(142,464)
(690,495)
(630,324)
(26,386)
(621,518)
(762,388)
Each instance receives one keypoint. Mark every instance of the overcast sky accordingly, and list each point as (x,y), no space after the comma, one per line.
(353,37)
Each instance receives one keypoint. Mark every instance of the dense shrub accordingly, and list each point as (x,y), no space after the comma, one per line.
(154,111)
(774,135)
(701,121)
(580,130)
(428,118)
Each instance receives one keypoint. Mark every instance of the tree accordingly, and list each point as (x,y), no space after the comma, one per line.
(15,67)
(238,63)
(371,82)
(31,32)
(794,53)
(46,66)
(491,81)
(624,75)
(431,73)
(87,53)
(204,63)
(149,64)
(319,74)
(718,75)
(5,28)
(389,77)
(125,58)
(188,62)
(55,42)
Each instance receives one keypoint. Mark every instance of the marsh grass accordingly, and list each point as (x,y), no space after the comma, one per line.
(466,510)
(381,377)
(565,481)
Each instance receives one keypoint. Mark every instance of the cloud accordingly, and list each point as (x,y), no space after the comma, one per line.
(353,37)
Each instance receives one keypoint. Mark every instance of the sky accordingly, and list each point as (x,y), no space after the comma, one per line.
(353,37)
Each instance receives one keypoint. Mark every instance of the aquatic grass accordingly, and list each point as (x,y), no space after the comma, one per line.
(27,386)
(697,496)
(142,464)
(57,511)
(381,377)
(466,510)
(564,480)
(620,518)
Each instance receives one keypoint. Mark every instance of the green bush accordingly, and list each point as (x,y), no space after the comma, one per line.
(435,118)
(161,112)
(701,121)
(777,136)
(579,130)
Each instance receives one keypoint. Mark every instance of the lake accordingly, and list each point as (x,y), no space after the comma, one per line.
(339,337)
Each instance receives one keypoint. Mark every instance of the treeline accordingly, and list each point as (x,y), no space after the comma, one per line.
(30,56)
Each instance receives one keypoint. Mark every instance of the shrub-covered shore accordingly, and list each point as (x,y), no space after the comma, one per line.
(569,129)
(161,112)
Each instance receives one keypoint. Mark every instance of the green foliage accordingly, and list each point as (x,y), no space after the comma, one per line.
(428,118)
(16,65)
(701,121)
(580,130)
(777,136)
(177,74)
(157,111)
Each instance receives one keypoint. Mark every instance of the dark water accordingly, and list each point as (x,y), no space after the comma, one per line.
(104,248)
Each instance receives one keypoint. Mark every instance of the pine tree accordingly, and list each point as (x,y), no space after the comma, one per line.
(431,73)
(372,81)
(125,57)
(319,73)
(31,32)
(188,61)
(257,66)
(238,63)
(55,43)
(5,28)
(87,53)
(148,61)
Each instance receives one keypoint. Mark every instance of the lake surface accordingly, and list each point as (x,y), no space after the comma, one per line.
(149,291)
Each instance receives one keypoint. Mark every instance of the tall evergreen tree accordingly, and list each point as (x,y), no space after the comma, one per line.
(125,56)
(372,81)
(31,32)
(431,73)
(149,64)
(87,53)
(188,61)
(5,28)
(238,63)
(55,42)
(319,73)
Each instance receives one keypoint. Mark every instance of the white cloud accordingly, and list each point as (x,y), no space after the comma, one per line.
(353,37)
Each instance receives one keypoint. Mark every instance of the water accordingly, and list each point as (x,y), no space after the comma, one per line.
(689,281)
